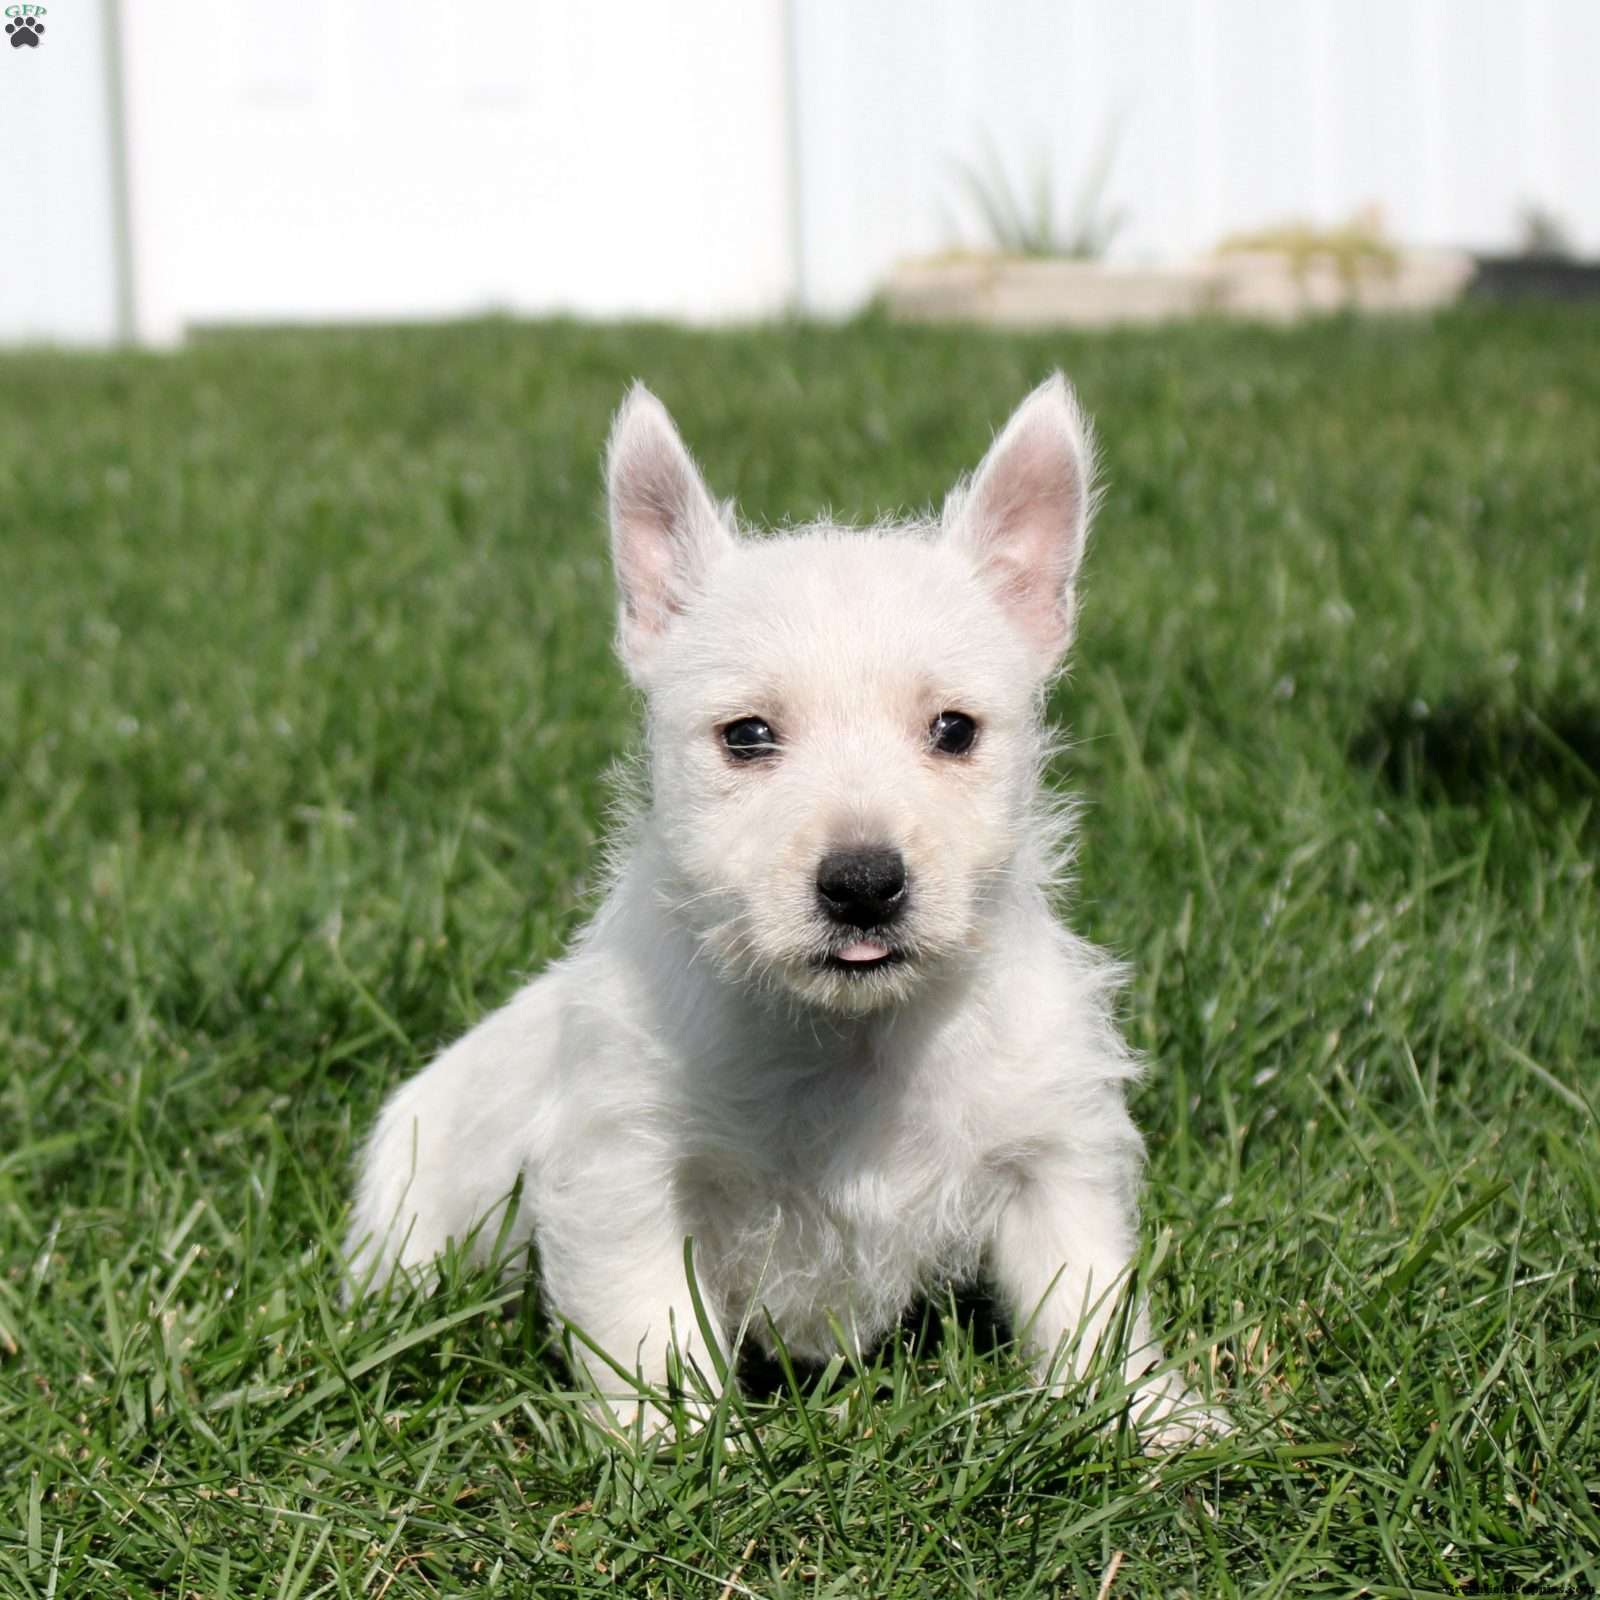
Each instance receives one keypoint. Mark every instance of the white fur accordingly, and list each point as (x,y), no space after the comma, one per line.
(834,1141)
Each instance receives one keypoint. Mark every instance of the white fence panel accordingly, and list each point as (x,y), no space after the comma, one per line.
(1449,115)
(389,158)
(59,252)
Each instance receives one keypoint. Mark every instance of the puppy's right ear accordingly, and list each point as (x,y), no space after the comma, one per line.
(666,532)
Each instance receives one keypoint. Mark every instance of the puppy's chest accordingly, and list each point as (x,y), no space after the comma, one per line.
(828,1216)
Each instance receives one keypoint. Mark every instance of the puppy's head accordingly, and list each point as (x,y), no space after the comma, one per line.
(843,725)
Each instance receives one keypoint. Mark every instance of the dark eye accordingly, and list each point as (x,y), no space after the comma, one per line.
(952,732)
(749,739)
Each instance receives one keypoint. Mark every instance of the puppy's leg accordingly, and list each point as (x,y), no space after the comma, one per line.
(418,1190)
(620,1282)
(1060,1257)
(451,1145)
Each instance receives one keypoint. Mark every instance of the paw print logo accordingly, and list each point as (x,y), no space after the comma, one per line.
(25,30)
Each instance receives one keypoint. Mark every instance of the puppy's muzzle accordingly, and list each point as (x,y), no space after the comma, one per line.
(862,888)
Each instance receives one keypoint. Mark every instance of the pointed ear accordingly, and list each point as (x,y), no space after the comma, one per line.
(666,531)
(1024,516)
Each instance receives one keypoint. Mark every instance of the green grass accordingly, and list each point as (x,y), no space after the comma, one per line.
(306,703)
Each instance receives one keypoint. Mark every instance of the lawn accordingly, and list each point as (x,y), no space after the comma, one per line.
(306,709)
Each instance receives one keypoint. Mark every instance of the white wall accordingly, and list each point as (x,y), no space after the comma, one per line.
(731,158)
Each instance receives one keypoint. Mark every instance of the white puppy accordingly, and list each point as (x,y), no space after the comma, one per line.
(824,1023)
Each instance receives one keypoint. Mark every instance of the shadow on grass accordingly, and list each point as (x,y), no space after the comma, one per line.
(925,1328)
(1468,746)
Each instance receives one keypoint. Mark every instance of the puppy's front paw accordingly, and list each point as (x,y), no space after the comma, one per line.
(645,1422)
(1170,1418)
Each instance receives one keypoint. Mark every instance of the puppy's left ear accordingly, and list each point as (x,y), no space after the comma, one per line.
(1024,517)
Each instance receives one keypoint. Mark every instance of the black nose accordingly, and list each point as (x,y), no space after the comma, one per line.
(862,888)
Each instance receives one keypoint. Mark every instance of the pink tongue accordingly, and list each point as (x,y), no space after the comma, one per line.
(863,950)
